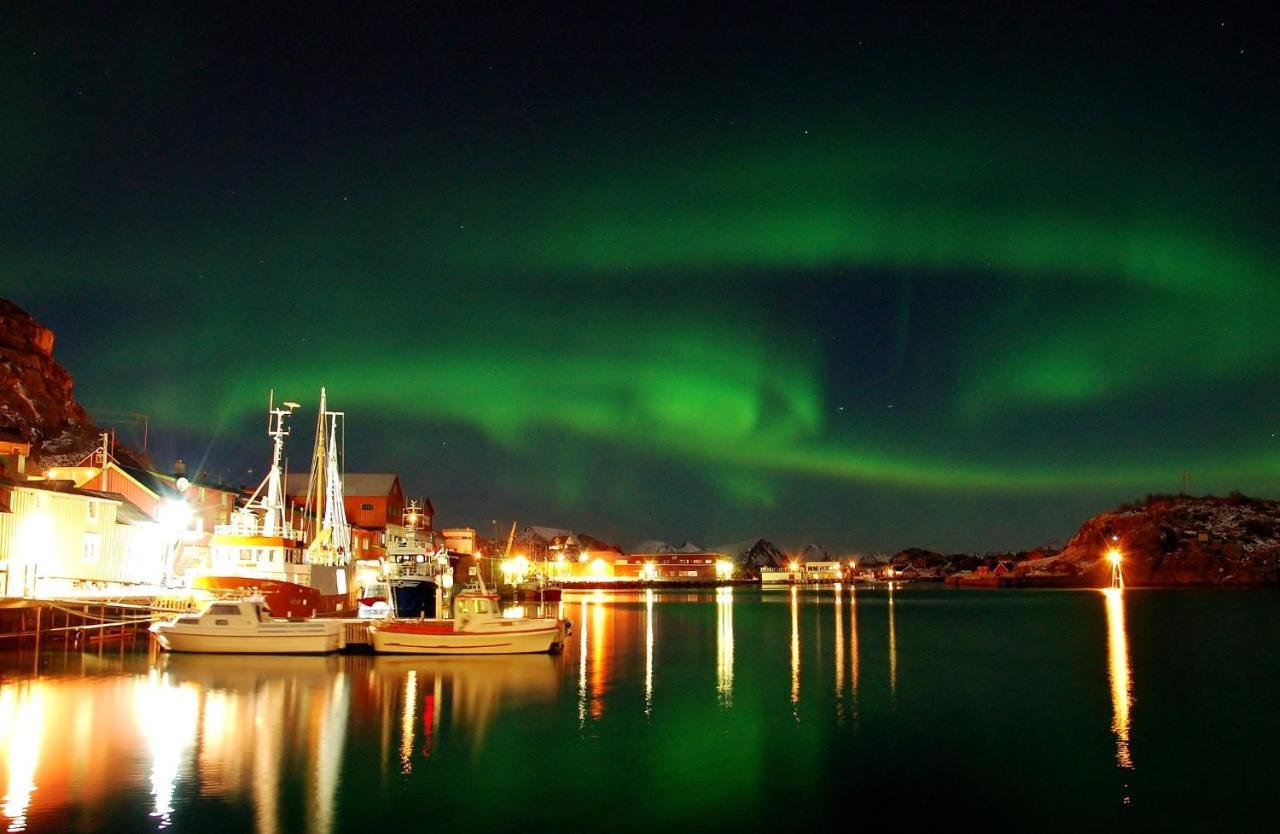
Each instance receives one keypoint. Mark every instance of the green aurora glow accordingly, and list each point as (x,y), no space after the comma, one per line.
(938,300)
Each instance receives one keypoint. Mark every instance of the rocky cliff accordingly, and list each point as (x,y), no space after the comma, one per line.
(1178,540)
(36,402)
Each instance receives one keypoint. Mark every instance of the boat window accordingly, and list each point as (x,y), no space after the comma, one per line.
(222,622)
(224,610)
(462,606)
(482,606)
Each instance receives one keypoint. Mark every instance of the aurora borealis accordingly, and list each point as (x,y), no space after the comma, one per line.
(880,279)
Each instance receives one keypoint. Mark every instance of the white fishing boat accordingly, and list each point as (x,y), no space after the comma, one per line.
(244,626)
(477,627)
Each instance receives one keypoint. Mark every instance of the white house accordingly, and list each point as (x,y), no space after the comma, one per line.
(57,539)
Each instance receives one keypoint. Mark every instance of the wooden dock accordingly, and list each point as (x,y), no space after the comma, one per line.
(73,622)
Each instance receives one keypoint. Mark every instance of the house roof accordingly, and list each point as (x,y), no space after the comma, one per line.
(364,484)
(127,512)
(151,481)
(66,488)
(354,484)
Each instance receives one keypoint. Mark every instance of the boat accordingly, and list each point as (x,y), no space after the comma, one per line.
(413,577)
(539,590)
(476,628)
(261,551)
(245,626)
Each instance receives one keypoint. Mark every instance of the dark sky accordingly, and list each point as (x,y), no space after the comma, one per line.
(877,276)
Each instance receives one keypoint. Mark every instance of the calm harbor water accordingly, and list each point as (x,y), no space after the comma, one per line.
(738,710)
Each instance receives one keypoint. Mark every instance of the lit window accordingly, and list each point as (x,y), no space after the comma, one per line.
(92,547)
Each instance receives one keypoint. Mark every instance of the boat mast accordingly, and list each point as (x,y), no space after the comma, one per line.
(273,504)
(319,462)
(335,515)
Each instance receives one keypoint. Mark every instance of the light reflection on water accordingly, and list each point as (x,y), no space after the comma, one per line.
(795,652)
(1120,673)
(648,651)
(21,722)
(724,646)
(276,735)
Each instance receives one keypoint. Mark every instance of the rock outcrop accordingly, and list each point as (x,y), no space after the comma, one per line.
(753,554)
(36,401)
(1178,540)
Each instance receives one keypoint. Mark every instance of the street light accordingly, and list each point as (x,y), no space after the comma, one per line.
(1116,558)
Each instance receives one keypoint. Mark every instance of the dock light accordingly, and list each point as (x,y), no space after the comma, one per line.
(724,569)
(1114,556)
(795,566)
(582,557)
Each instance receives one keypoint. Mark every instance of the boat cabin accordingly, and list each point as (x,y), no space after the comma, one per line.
(243,612)
(467,604)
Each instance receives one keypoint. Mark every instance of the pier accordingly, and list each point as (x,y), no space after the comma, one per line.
(77,622)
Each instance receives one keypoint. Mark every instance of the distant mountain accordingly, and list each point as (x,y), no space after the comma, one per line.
(565,537)
(656,546)
(753,554)
(815,553)
(1177,540)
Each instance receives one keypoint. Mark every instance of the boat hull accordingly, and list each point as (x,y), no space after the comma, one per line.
(289,638)
(552,594)
(284,599)
(435,639)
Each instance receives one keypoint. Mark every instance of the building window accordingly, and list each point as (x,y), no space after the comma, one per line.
(366,506)
(93,510)
(92,547)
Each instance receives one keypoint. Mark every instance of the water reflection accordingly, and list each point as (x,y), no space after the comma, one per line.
(795,652)
(470,691)
(291,707)
(648,652)
(853,649)
(21,721)
(167,714)
(407,722)
(1120,674)
(893,648)
(838,607)
(724,646)
(593,656)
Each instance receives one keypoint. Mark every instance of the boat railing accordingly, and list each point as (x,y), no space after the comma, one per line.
(256,528)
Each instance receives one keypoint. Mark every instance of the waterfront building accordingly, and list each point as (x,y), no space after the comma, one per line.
(171,500)
(669,566)
(58,539)
(372,500)
(375,508)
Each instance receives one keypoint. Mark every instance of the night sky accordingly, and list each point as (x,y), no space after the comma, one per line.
(873,278)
